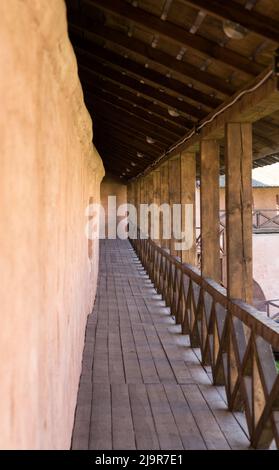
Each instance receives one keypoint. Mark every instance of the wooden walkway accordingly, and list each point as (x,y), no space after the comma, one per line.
(142,386)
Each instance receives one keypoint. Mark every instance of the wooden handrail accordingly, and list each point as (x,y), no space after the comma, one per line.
(235,339)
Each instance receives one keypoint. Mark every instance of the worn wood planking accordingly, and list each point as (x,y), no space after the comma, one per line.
(239,203)
(136,398)
(210,216)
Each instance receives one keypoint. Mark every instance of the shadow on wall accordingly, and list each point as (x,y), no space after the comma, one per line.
(258,297)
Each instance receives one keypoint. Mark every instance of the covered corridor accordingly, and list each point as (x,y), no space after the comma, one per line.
(142,386)
(150,342)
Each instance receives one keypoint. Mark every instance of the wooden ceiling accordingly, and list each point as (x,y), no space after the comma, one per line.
(152,69)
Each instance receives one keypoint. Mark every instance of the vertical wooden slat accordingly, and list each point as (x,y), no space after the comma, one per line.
(239,210)
(142,197)
(157,199)
(149,198)
(210,218)
(138,200)
(188,196)
(165,199)
(174,194)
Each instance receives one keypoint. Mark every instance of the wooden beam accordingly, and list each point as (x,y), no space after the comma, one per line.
(128,145)
(239,211)
(102,99)
(88,48)
(127,154)
(178,34)
(174,197)
(150,54)
(264,26)
(109,130)
(92,81)
(122,128)
(155,148)
(149,199)
(165,199)
(125,149)
(201,15)
(210,219)
(116,156)
(157,199)
(122,79)
(125,120)
(261,101)
(188,196)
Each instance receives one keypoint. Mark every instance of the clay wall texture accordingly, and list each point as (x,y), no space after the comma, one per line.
(49,173)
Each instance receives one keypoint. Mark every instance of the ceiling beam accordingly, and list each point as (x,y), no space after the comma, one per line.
(128,154)
(129,144)
(149,92)
(125,158)
(106,118)
(117,158)
(123,122)
(90,48)
(178,34)
(104,99)
(110,131)
(250,107)
(150,54)
(90,79)
(230,10)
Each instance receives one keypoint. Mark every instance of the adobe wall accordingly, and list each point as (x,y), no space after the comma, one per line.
(263,198)
(49,172)
(113,187)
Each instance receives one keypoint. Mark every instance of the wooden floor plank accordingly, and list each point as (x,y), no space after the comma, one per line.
(100,426)
(226,420)
(167,430)
(207,424)
(145,432)
(188,429)
(123,436)
(141,384)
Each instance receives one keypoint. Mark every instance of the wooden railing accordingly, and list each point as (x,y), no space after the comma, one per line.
(265,221)
(271,307)
(235,339)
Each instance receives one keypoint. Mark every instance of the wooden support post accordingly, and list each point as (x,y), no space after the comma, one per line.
(142,197)
(188,196)
(149,198)
(210,218)
(174,194)
(138,200)
(157,201)
(165,199)
(239,210)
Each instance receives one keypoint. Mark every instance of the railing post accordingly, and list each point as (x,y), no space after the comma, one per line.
(210,218)
(188,196)
(239,210)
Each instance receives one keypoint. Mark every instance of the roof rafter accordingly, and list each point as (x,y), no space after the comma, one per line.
(158,79)
(149,53)
(233,11)
(129,129)
(136,86)
(132,98)
(128,137)
(179,35)
(102,98)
